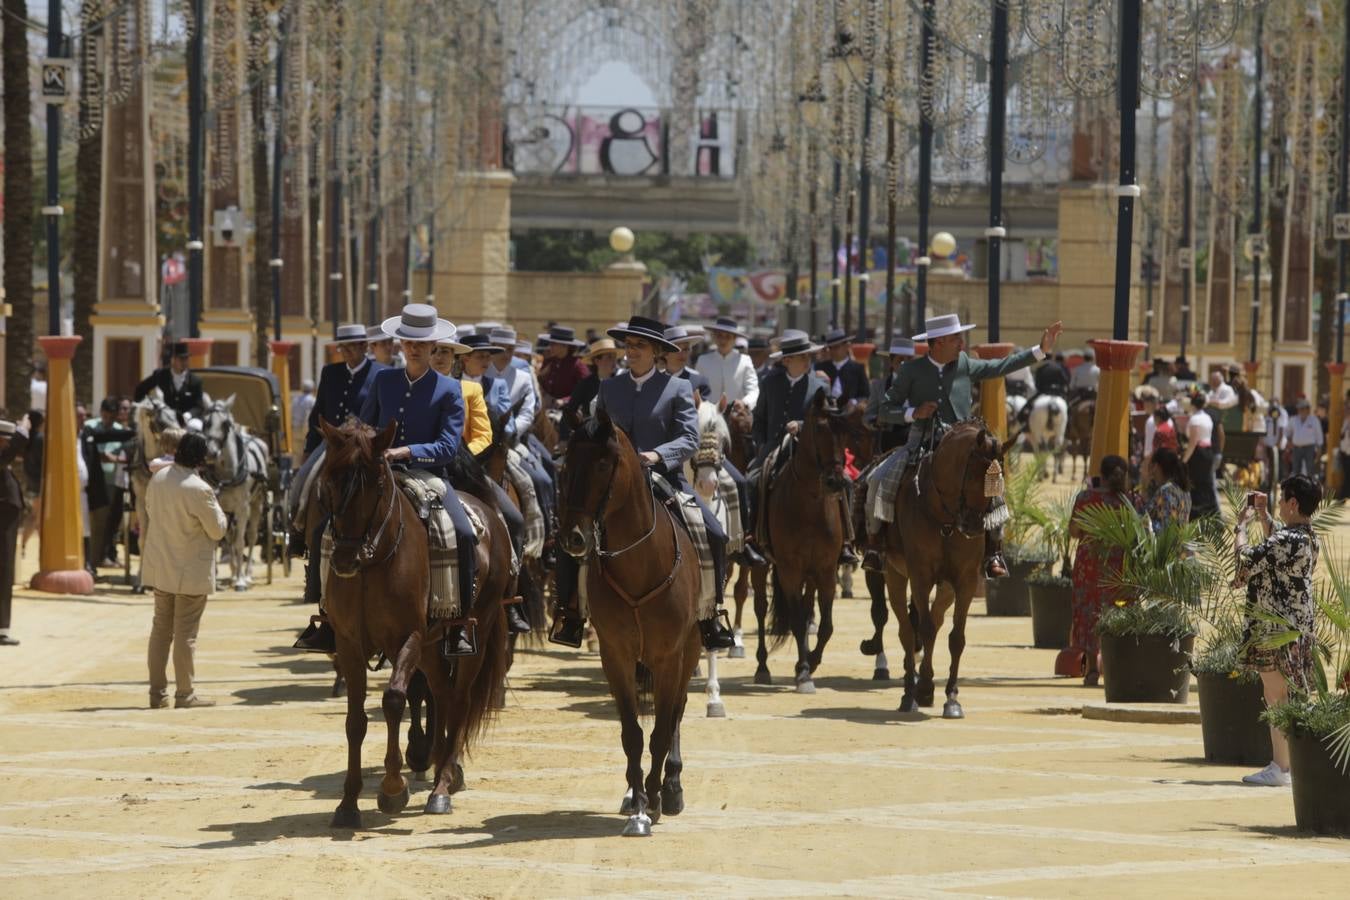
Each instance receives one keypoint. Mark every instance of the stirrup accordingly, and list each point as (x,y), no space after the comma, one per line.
(318,636)
(470,635)
(567,631)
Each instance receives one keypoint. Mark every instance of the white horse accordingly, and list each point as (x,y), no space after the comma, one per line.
(1045,427)
(238,468)
(1015,403)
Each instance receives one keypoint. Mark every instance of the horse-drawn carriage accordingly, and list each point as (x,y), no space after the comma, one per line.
(256,406)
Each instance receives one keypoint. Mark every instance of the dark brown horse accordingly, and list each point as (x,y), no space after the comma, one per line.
(937,540)
(806,534)
(642,581)
(377,599)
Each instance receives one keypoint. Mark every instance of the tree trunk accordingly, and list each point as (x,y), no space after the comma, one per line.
(18,198)
(262,197)
(85,243)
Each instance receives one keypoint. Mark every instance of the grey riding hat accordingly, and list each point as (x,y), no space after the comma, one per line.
(376,333)
(900,346)
(681,335)
(418,322)
(942,326)
(502,336)
(352,334)
(727,325)
(794,343)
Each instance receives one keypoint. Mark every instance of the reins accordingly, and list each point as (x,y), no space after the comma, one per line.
(957,523)
(367,544)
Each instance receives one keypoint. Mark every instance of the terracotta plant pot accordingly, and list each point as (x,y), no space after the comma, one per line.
(1230,720)
(1146,668)
(1051,614)
(1008,596)
(1321,790)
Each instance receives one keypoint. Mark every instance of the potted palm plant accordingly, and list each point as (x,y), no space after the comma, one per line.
(1050,587)
(1008,596)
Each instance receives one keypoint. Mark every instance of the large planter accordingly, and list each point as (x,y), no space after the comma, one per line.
(1051,614)
(1321,791)
(1008,596)
(1146,668)
(1230,720)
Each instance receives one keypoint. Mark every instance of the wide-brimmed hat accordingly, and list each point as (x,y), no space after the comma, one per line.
(472,342)
(524,347)
(7,428)
(728,325)
(561,334)
(418,322)
(376,333)
(487,327)
(502,336)
(794,343)
(351,334)
(600,348)
(645,328)
(942,326)
(900,346)
(836,336)
(757,343)
(454,344)
(680,334)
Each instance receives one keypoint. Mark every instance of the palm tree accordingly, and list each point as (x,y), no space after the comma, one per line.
(18,209)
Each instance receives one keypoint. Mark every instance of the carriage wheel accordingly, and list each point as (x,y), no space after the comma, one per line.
(267,540)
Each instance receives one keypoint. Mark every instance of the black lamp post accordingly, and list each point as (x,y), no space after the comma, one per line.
(998,87)
(196,79)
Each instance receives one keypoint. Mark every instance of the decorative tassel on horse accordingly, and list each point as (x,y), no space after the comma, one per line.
(993,480)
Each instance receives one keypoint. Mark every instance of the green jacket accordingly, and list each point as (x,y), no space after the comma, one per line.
(920,381)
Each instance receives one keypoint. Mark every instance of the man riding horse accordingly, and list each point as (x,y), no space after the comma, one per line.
(181,388)
(656,411)
(934,393)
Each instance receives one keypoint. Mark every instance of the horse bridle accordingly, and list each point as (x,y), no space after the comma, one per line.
(957,523)
(366,546)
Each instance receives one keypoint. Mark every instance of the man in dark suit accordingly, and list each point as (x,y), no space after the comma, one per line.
(13,441)
(181,389)
(657,413)
(847,376)
(677,361)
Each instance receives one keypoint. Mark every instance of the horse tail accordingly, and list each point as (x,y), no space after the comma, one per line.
(780,616)
(494,659)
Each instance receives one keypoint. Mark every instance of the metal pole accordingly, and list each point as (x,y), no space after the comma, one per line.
(431,217)
(814,225)
(196,78)
(53,209)
(1128,190)
(410,101)
(864,207)
(336,167)
(998,74)
(1185,244)
(1257,138)
(1343,195)
(834,249)
(376,125)
(278,155)
(890,235)
(925,157)
(848,262)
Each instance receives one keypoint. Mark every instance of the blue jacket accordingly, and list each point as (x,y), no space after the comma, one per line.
(660,418)
(341,393)
(497,395)
(698,381)
(430,413)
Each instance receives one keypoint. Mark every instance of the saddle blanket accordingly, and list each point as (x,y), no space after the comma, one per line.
(426,492)
(731,512)
(533,544)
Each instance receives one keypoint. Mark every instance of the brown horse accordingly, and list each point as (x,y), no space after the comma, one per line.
(643,584)
(1078,439)
(806,534)
(937,540)
(377,601)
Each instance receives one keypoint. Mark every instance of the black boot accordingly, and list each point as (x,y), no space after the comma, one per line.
(872,561)
(516,623)
(751,556)
(847,557)
(459,640)
(319,637)
(568,629)
(716,631)
(296,545)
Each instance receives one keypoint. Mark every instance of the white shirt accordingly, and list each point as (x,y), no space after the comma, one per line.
(1085,377)
(1223,397)
(1200,429)
(1305,432)
(1150,429)
(1345,437)
(640,380)
(732,375)
(38,395)
(1277,429)
(179,379)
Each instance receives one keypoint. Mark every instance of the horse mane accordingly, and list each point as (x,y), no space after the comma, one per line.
(711,422)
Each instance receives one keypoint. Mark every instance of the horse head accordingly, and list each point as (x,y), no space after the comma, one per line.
(964,457)
(599,467)
(152,416)
(823,436)
(353,464)
(706,463)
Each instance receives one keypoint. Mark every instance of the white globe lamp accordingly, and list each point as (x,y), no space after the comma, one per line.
(621,239)
(943,245)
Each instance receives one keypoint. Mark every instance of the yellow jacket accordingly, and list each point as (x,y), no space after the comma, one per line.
(477,425)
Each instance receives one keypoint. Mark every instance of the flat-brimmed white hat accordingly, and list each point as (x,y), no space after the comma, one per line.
(942,326)
(793,343)
(681,335)
(901,346)
(350,334)
(376,333)
(453,344)
(418,322)
(727,325)
(502,336)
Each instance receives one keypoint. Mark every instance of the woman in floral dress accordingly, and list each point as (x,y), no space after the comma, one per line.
(1171,497)
(1094,566)
(1278,573)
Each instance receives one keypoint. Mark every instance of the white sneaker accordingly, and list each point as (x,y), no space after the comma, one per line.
(1271,776)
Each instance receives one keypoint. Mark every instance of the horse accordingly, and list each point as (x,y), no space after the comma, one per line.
(1078,435)
(740,421)
(938,540)
(1046,424)
(377,600)
(1015,403)
(806,535)
(238,470)
(643,582)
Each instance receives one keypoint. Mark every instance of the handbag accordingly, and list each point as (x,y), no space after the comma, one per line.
(1071,662)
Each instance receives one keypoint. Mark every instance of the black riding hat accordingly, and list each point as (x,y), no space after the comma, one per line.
(645,328)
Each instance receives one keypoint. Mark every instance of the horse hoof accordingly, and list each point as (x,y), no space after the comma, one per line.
(437,804)
(736,653)
(346,818)
(869,647)
(627,807)
(392,804)
(762,677)
(672,800)
(716,710)
(881,674)
(420,775)
(952,710)
(907,704)
(638,825)
(806,687)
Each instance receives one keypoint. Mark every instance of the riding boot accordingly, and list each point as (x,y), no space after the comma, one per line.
(458,641)
(296,545)
(516,622)
(994,564)
(569,628)
(716,630)
(750,554)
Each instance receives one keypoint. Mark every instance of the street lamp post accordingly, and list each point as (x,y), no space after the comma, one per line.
(926,99)
(196,91)
(993,393)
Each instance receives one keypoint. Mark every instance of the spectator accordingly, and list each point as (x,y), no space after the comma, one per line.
(38,386)
(13,441)
(301,406)
(1278,573)
(1092,565)
(1162,380)
(102,443)
(1343,454)
(1275,442)
(1085,376)
(179,549)
(32,477)
(1164,431)
(1151,406)
(1305,439)
(1170,500)
(1199,459)
(1183,371)
(169,439)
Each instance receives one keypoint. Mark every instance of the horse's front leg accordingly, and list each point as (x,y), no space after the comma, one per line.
(896,585)
(353,669)
(393,796)
(930,624)
(800,604)
(760,576)
(825,596)
(956,644)
(875,645)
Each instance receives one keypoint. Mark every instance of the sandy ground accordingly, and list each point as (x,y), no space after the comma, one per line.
(825,795)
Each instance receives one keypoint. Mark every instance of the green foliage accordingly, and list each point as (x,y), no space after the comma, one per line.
(1022,493)
(686,256)
(1147,617)
(1052,522)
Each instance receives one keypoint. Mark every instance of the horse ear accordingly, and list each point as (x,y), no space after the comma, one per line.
(156,394)
(330,432)
(385,438)
(228,402)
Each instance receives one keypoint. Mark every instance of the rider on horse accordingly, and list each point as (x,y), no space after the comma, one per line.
(656,411)
(181,388)
(847,377)
(934,393)
(784,397)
